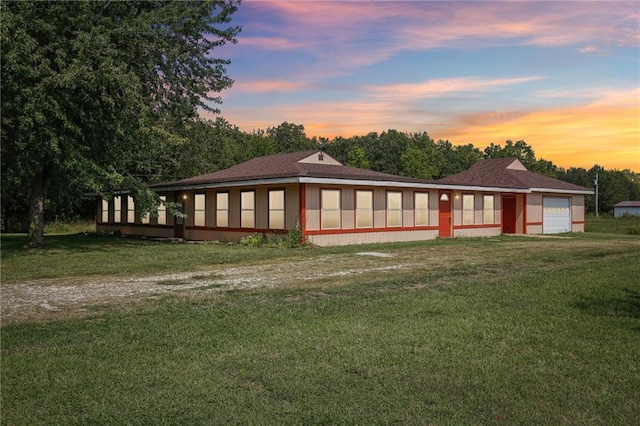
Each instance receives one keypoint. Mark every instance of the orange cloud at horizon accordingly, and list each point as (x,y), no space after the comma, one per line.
(603,131)
(569,137)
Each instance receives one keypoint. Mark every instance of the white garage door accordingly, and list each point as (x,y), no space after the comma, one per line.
(556,216)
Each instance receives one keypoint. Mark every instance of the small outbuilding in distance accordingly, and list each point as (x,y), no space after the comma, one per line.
(627,208)
(334,204)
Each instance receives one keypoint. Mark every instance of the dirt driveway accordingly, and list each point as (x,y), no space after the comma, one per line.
(57,298)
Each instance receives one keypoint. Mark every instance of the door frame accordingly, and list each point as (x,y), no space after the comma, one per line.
(509,214)
(445,216)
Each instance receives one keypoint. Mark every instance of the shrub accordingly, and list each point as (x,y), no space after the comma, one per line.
(253,240)
(295,237)
(70,227)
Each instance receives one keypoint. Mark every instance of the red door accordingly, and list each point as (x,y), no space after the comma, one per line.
(444,215)
(509,207)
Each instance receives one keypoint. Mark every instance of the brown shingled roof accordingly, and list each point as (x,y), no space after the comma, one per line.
(506,173)
(627,204)
(285,166)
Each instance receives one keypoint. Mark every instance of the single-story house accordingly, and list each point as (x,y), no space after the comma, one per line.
(336,204)
(629,208)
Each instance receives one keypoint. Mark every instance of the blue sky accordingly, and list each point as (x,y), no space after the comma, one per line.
(563,76)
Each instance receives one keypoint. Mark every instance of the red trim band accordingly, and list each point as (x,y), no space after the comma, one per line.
(493,225)
(370,230)
(249,230)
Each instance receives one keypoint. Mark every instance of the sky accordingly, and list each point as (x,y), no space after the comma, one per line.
(563,76)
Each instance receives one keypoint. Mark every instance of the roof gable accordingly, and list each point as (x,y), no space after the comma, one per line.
(516,165)
(507,173)
(320,157)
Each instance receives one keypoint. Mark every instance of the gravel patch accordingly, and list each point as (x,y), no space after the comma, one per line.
(48,298)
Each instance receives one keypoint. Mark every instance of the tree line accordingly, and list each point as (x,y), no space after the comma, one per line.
(207,146)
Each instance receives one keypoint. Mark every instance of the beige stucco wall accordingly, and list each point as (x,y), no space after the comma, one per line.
(534,208)
(535,211)
(125,206)
(380,233)
(292,201)
(478,207)
(348,212)
(477,232)
(577,213)
(372,237)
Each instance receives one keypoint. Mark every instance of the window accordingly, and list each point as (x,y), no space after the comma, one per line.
(488,206)
(247,209)
(199,209)
(162,211)
(105,211)
(394,209)
(421,204)
(330,209)
(145,218)
(131,210)
(467,209)
(364,209)
(276,209)
(222,209)
(117,209)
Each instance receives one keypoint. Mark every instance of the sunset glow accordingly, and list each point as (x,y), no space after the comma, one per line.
(563,76)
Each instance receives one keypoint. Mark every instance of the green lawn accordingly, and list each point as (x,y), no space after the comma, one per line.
(629,225)
(514,329)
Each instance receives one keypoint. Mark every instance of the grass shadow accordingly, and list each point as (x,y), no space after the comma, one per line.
(15,244)
(618,307)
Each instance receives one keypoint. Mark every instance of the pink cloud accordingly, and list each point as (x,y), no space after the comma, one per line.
(444,86)
(336,31)
(265,86)
(271,43)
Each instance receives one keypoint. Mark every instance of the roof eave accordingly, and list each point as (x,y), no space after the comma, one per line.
(564,191)
(227,184)
(462,187)
(363,182)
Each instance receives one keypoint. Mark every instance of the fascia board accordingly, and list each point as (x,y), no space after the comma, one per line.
(255,182)
(563,191)
(484,188)
(362,182)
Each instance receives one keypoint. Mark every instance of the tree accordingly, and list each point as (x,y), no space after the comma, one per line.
(525,153)
(290,137)
(88,87)
(457,158)
(414,162)
(358,158)
(520,150)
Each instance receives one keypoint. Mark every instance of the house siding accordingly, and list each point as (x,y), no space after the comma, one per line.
(348,208)
(622,211)
(478,228)
(535,210)
(515,208)
(372,237)
(577,213)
